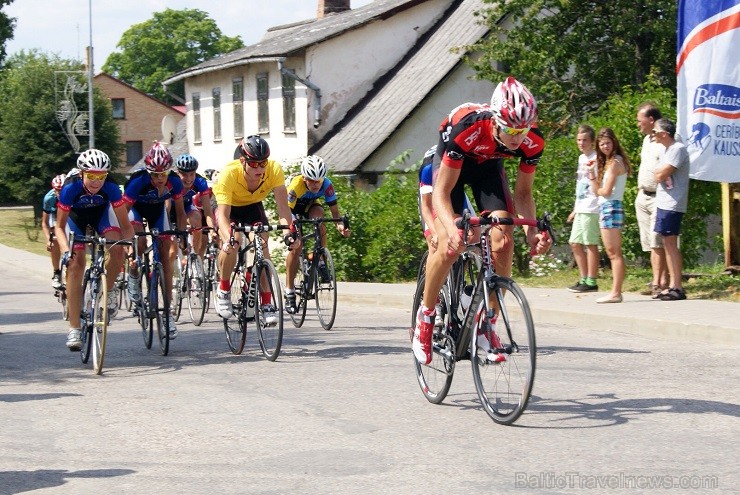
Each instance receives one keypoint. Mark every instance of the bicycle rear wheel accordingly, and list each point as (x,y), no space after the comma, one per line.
(145,309)
(100,323)
(236,326)
(196,290)
(300,294)
(435,378)
(180,284)
(161,308)
(269,323)
(86,318)
(504,388)
(326,292)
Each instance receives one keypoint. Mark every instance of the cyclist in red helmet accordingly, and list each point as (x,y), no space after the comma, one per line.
(48,219)
(474,140)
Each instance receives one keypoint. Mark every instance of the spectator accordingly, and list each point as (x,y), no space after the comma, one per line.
(647,115)
(609,183)
(584,236)
(671,200)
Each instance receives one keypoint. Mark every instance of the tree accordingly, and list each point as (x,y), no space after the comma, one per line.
(33,147)
(574,54)
(7,25)
(171,41)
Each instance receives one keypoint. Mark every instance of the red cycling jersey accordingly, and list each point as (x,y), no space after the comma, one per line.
(467,132)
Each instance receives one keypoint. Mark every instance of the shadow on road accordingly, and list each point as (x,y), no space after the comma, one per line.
(12,482)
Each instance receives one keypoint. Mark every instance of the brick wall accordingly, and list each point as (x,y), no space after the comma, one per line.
(143,114)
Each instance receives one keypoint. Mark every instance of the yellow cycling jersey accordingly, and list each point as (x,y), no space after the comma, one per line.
(231,186)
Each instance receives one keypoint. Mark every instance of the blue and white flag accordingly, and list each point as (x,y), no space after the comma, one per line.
(708,69)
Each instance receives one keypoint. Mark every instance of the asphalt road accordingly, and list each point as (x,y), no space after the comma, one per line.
(341,412)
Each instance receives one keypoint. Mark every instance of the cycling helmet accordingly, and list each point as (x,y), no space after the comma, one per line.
(94,161)
(158,158)
(254,149)
(513,105)
(313,167)
(186,163)
(208,173)
(57,182)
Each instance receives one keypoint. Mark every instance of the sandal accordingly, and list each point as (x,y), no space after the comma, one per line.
(673,294)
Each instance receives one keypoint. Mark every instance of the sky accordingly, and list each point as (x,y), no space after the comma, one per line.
(63,27)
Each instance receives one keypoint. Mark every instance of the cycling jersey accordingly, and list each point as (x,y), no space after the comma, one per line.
(300,197)
(140,190)
(85,208)
(231,187)
(49,206)
(200,188)
(468,131)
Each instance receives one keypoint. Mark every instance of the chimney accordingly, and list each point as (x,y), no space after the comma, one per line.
(327,7)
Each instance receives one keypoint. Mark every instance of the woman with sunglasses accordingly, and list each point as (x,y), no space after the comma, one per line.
(146,194)
(90,199)
(474,140)
(242,186)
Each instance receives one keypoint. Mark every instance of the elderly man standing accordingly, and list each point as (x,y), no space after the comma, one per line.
(652,242)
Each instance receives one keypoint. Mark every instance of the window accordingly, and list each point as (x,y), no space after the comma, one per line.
(119,108)
(263,95)
(196,117)
(288,103)
(216,93)
(134,152)
(237,90)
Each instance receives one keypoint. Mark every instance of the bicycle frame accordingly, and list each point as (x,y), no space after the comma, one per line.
(310,260)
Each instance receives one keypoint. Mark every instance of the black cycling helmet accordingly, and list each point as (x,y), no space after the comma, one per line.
(186,163)
(254,149)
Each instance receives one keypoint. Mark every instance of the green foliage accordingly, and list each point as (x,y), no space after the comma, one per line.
(7,25)
(386,242)
(171,41)
(573,54)
(33,147)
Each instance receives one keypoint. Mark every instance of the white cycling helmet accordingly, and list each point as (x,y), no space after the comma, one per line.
(93,160)
(313,167)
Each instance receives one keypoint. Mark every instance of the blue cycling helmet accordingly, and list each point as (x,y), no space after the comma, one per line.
(186,163)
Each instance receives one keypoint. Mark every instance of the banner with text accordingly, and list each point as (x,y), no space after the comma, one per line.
(708,69)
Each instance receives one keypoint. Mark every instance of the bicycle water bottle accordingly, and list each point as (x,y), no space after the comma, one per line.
(465,298)
(249,284)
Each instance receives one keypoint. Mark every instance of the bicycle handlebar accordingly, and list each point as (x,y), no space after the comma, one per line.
(157,232)
(94,239)
(344,219)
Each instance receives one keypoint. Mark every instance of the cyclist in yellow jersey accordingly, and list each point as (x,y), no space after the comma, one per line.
(241,187)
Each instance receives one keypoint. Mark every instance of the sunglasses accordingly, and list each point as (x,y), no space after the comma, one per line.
(511,131)
(656,131)
(262,164)
(96,175)
(159,175)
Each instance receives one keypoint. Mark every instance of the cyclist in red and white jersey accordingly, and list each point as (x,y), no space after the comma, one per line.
(474,140)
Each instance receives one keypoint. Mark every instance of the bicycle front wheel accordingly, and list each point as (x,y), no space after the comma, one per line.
(269,311)
(144,307)
(180,284)
(326,291)
(161,307)
(236,326)
(100,323)
(300,294)
(435,378)
(196,290)
(86,316)
(504,387)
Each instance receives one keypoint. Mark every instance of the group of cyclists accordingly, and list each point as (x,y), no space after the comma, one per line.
(165,198)
(474,139)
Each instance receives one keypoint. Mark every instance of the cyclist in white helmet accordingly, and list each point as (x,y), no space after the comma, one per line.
(90,199)
(474,140)
(304,193)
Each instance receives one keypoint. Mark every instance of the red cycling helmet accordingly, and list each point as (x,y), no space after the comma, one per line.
(513,105)
(57,182)
(158,158)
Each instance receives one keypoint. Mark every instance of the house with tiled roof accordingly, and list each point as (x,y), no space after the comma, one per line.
(356,86)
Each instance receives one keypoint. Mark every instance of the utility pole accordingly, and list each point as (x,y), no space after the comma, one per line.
(90,75)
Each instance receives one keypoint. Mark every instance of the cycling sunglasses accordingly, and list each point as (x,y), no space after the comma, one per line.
(262,164)
(159,175)
(96,175)
(512,131)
